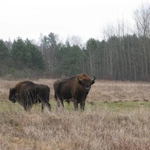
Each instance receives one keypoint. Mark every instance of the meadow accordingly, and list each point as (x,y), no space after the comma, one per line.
(116,117)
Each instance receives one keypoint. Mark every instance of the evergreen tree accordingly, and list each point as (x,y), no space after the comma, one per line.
(4,53)
(26,57)
(35,58)
(18,54)
(4,59)
(70,60)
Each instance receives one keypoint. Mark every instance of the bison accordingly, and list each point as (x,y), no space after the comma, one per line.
(56,95)
(27,93)
(76,88)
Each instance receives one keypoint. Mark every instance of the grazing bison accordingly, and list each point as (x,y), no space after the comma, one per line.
(76,88)
(27,93)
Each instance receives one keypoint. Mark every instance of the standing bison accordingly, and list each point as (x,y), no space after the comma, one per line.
(27,93)
(76,88)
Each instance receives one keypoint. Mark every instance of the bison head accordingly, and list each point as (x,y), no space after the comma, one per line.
(12,95)
(86,83)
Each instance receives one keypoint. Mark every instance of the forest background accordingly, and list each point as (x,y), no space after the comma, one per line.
(123,54)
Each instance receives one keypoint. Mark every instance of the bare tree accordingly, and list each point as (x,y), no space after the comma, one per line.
(142,20)
(75,40)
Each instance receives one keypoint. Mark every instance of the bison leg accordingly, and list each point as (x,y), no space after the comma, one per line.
(60,101)
(68,101)
(48,106)
(27,103)
(44,102)
(57,100)
(43,106)
(75,105)
(82,105)
(27,108)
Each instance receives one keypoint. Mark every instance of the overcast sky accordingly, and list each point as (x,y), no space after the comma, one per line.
(83,18)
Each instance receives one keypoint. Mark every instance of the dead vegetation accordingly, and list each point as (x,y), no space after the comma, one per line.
(93,129)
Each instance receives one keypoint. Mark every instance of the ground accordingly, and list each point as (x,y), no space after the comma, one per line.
(116,117)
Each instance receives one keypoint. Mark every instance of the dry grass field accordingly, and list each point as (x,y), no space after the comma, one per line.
(116,117)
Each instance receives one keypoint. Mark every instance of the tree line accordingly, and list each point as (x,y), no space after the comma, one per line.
(119,56)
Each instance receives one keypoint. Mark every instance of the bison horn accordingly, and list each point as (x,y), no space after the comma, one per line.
(94,78)
(79,80)
(93,81)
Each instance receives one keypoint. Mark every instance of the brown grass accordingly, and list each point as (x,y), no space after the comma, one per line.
(93,129)
(115,91)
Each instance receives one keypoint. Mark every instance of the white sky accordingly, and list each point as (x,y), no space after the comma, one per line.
(83,18)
